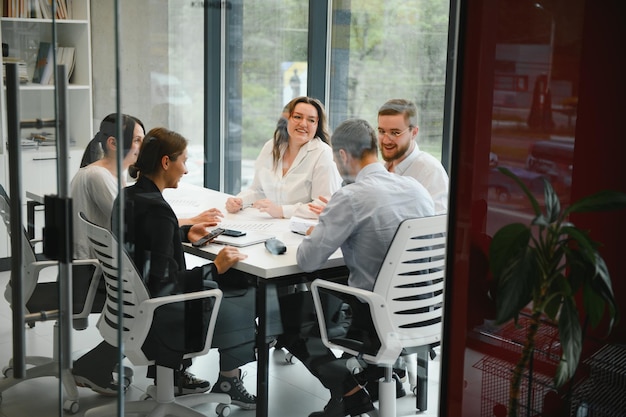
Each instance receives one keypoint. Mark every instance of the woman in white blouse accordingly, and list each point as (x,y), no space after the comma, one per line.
(295,167)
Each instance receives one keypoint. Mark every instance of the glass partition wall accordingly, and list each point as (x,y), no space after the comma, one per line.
(219,73)
(46,123)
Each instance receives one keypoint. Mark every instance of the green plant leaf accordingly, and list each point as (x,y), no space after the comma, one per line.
(601,201)
(515,285)
(541,221)
(587,247)
(581,269)
(525,189)
(559,288)
(552,306)
(601,283)
(509,242)
(570,335)
(593,303)
(552,202)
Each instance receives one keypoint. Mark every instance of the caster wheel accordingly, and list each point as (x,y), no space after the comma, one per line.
(414,390)
(145,397)
(222,410)
(71,406)
(290,359)
(7,371)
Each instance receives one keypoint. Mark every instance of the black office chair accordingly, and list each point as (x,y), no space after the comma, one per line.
(42,304)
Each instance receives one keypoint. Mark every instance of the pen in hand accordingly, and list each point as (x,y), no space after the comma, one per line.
(245,206)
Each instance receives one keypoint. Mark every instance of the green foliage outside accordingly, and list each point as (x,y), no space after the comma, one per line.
(397,48)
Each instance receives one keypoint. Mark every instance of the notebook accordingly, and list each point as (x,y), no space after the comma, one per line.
(250,238)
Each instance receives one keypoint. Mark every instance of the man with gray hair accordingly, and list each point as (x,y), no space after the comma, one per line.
(361,218)
(397,133)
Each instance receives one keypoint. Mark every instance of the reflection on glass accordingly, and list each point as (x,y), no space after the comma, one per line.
(534,100)
(533,73)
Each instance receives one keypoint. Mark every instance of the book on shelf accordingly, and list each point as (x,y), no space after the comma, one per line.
(65,56)
(21,68)
(43,65)
(45,7)
(37,9)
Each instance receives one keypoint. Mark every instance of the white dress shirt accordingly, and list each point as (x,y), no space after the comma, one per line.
(313,173)
(430,173)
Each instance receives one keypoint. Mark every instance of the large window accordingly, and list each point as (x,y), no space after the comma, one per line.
(379,50)
(220,73)
(390,49)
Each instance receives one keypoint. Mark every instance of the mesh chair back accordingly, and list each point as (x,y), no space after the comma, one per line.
(133,291)
(29,278)
(411,280)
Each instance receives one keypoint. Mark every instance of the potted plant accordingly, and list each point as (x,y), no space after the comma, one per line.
(545,265)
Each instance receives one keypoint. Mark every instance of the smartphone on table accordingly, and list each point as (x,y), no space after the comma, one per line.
(207,238)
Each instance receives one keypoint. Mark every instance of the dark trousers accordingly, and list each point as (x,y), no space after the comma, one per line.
(303,340)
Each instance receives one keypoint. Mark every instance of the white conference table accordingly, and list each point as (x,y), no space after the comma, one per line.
(266,271)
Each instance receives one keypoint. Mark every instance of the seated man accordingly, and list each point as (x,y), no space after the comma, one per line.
(361,218)
(397,137)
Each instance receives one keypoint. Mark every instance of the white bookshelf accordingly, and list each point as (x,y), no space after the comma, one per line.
(23,36)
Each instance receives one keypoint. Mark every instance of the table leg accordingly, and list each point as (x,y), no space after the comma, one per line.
(262,351)
(30,218)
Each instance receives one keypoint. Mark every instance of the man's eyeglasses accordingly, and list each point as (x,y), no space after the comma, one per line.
(392,134)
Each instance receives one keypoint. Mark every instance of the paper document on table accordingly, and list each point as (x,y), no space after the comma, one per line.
(301,225)
(246,226)
(184,202)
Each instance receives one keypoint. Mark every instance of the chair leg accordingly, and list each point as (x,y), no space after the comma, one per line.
(42,366)
(387,394)
(162,401)
(421,392)
(410,361)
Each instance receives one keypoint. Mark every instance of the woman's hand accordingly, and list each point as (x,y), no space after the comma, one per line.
(267,206)
(211,216)
(318,205)
(234,204)
(199,230)
(228,257)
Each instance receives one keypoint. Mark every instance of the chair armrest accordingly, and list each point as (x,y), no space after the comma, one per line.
(146,314)
(94,282)
(390,346)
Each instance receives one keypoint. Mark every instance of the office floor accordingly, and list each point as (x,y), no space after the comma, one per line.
(293,391)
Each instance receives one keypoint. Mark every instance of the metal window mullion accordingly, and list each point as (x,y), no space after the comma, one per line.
(318,59)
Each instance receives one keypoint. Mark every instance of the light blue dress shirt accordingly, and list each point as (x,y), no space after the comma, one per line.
(362,219)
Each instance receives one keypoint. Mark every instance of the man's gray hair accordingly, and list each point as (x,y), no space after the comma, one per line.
(356,137)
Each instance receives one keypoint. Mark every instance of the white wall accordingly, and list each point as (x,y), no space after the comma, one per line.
(143,27)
